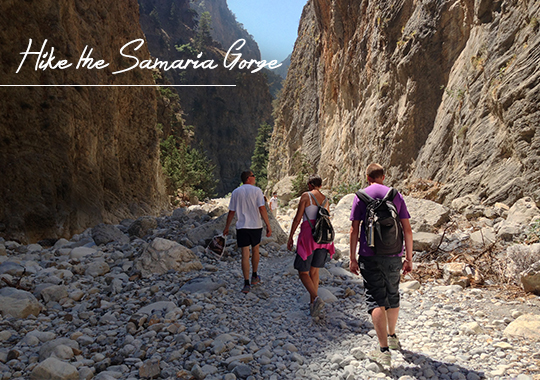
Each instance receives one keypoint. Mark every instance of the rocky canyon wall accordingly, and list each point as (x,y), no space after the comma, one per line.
(71,157)
(225,28)
(446,91)
(225,120)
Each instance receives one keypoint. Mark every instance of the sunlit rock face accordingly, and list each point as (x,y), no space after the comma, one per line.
(439,90)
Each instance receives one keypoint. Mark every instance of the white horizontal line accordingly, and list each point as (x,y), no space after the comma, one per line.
(117,85)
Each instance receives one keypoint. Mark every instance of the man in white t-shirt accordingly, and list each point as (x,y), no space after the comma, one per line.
(274,202)
(247,202)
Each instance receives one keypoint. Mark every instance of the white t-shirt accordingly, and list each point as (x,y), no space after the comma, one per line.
(273,203)
(245,202)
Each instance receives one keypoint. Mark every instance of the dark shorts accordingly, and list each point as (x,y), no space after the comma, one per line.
(381,281)
(317,259)
(246,237)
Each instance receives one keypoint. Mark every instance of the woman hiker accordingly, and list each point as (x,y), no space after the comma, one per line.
(310,256)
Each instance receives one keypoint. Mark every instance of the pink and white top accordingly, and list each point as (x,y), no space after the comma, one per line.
(305,244)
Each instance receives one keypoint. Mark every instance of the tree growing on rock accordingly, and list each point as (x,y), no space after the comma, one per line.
(259,160)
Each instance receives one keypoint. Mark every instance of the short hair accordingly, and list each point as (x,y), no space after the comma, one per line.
(374,171)
(245,175)
(274,193)
(315,180)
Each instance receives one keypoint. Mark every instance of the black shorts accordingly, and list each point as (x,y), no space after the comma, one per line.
(317,259)
(246,237)
(381,280)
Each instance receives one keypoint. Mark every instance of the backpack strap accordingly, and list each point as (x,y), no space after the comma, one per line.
(390,195)
(316,202)
(307,217)
(318,205)
(364,197)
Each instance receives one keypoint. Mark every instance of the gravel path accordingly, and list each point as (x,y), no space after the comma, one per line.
(199,325)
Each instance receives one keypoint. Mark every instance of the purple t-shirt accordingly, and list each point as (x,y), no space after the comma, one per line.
(358,212)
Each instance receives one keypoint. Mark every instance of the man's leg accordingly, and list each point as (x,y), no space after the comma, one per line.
(255,256)
(308,284)
(379,318)
(245,262)
(392,318)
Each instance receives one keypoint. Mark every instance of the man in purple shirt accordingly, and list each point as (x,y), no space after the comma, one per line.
(381,274)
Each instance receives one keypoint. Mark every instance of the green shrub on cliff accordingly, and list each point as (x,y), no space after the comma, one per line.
(259,160)
(189,170)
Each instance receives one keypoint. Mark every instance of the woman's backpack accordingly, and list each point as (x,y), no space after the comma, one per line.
(322,232)
(384,232)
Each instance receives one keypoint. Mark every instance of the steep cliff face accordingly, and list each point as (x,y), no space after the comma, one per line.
(440,90)
(225,119)
(225,28)
(72,157)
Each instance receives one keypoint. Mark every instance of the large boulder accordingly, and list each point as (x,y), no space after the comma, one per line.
(484,236)
(530,279)
(54,369)
(425,241)
(519,216)
(163,255)
(97,268)
(142,226)
(426,214)
(526,326)
(11,268)
(211,228)
(54,293)
(284,189)
(107,233)
(48,349)
(18,303)
(202,285)
(461,203)
(523,211)
(342,213)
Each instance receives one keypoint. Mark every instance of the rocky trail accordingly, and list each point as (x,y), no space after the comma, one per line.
(144,300)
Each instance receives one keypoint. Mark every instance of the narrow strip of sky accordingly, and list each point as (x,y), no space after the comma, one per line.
(273,24)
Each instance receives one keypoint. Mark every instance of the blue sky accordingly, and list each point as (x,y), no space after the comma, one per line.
(273,23)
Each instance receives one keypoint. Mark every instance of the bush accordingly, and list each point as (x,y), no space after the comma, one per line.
(343,189)
(188,169)
(533,233)
(519,258)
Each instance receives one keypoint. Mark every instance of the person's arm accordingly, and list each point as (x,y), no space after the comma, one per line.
(353,241)
(264,215)
(408,236)
(230,217)
(297,220)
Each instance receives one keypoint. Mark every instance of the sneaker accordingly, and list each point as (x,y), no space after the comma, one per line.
(382,358)
(316,307)
(255,280)
(393,343)
(246,289)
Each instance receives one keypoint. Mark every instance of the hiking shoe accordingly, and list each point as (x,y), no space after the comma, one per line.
(246,289)
(255,280)
(393,343)
(382,358)
(316,307)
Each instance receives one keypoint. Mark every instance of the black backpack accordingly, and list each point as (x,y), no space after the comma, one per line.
(384,232)
(322,232)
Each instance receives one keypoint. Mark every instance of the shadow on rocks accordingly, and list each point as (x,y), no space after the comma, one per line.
(428,367)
